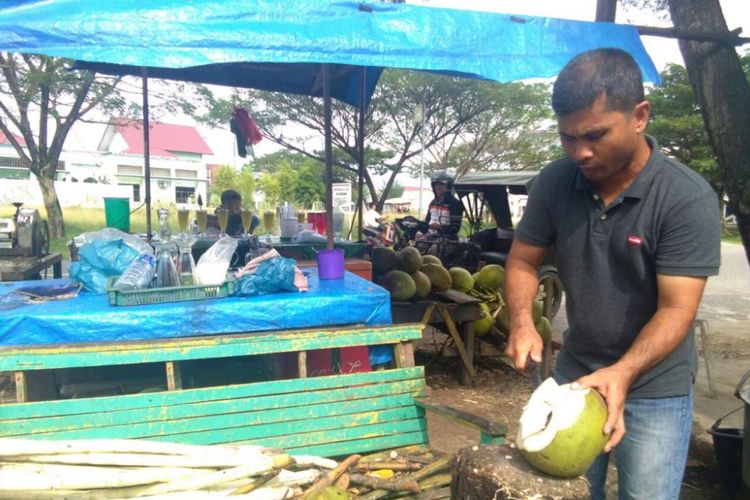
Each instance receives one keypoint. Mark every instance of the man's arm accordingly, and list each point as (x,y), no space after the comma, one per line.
(521,288)
(679,297)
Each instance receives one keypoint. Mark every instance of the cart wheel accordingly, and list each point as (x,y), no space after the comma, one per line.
(545,272)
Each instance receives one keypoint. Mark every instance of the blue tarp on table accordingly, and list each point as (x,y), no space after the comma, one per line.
(90,318)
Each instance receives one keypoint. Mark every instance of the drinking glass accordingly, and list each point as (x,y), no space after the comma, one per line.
(183,217)
(186,263)
(247,219)
(268,220)
(166,272)
(222,214)
(202,218)
(164,231)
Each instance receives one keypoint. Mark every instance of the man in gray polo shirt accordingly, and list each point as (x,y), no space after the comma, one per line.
(636,234)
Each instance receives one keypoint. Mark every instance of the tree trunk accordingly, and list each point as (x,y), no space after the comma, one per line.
(724,97)
(52,205)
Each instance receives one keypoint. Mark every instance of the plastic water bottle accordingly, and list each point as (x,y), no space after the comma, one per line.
(139,274)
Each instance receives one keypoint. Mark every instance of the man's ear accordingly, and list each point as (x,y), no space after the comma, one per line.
(641,114)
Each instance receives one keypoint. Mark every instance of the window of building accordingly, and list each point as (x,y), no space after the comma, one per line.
(129,170)
(183,194)
(160,172)
(186,174)
(136,191)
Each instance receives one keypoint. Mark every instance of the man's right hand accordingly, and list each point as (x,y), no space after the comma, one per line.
(524,343)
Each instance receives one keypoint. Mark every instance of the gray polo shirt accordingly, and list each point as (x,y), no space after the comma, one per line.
(666,222)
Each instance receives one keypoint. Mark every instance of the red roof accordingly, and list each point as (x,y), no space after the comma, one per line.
(4,139)
(165,138)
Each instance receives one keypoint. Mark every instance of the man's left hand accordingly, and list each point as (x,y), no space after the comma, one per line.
(612,383)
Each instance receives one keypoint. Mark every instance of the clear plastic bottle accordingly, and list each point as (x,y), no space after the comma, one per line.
(139,274)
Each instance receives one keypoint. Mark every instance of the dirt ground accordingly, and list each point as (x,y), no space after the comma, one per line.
(499,394)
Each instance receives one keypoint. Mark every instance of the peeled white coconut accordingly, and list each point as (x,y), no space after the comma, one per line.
(561,429)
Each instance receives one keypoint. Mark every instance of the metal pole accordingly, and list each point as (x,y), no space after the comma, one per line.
(146,152)
(328,153)
(361,151)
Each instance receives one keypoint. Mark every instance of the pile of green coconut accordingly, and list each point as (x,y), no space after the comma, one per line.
(410,276)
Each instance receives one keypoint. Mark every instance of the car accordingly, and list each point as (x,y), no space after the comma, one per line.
(499,197)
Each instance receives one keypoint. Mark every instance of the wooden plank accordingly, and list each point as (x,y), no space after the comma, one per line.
(140,422)
(468,364)
(403,353)
(361,445)
(82,355)
(174,376)
(191,396)
(343,433)
(468,335)
(302,364)
(17,268)
(35,386)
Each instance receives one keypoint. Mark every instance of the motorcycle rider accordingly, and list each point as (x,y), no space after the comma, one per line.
(445,211)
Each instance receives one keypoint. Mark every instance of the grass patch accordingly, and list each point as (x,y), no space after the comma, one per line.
(731,235)
(80,220)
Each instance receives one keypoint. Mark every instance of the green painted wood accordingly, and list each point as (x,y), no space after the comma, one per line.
(209,430)
(361,445)
(193,396)
(213,414)
(83,355)
(485,438)
(372,431)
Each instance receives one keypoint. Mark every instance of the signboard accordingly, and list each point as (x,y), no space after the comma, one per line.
(342,195)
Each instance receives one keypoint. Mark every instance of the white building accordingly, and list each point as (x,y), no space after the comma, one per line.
(116,168)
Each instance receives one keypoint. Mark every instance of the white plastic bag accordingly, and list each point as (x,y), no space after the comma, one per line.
(213,265)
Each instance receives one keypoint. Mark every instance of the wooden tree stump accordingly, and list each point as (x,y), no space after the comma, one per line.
(500,472)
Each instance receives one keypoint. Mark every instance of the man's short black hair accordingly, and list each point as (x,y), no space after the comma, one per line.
(602,72)
(230,195)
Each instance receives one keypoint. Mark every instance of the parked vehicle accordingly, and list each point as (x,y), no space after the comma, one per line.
(502,196)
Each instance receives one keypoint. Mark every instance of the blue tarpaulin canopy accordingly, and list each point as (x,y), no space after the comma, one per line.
(201,34)
(295,46)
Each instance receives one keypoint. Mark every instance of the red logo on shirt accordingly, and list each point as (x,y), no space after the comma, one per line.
(635,241)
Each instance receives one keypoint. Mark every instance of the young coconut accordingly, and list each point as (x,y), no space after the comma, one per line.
(561,429)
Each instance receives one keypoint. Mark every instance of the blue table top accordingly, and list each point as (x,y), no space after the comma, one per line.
(90,318)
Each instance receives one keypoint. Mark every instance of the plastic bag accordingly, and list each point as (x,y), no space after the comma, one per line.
(111,234)
(308,236)
(271,276)
(98,259)
(214,263)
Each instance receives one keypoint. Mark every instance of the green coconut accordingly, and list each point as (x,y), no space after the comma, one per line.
(561,429)
(431,259)
(400,285)
(536,310)
(544,328)
(384,259)
(503,320)
(409,260)
(491,276)
(422,283)
(439,276)
(462,280)
(484,323)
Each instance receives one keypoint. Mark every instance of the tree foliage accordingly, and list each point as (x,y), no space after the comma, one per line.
(291,177)
(677,124)
(466,125)
(40,100)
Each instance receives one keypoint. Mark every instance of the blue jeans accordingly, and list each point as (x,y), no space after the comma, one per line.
(651,457)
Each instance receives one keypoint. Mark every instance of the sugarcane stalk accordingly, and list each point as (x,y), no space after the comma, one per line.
(20,477)
(387,465)
(330,477)
(435,466)
(146,460)
(378,483)
(255,483)
(312,460)
(14,447)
